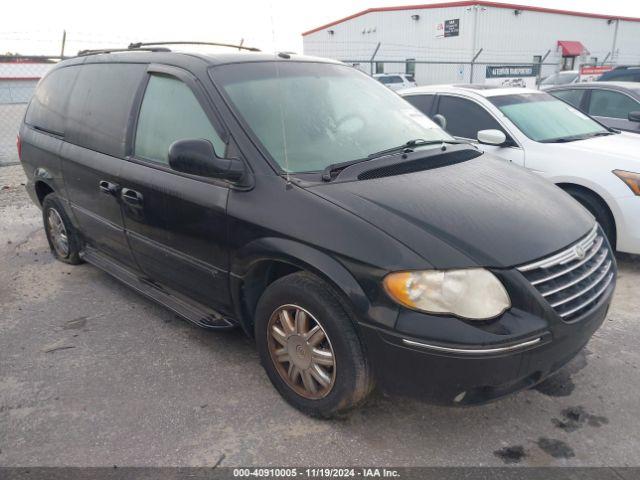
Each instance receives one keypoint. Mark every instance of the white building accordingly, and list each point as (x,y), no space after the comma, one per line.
(19,77)
(451,34)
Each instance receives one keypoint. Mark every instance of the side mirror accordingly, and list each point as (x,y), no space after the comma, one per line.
(634,116)
(492,137)
(440,120)
(198,157)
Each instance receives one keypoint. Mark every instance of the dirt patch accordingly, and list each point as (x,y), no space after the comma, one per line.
(555,448)
(574,418)
(510,455)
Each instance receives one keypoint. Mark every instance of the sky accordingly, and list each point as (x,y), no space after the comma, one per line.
(35,27)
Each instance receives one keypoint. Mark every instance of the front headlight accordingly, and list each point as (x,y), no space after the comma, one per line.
(630,178)
(473,293)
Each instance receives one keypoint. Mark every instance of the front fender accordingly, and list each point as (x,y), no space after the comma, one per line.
(307,258)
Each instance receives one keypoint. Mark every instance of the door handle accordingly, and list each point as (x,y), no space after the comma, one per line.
(131,197)
(108,187)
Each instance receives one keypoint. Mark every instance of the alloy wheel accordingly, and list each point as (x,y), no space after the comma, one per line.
(301,351)
(58,233)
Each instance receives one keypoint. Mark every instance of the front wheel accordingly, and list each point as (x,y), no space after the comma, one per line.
(309,346)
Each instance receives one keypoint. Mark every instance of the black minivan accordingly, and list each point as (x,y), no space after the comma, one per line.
(306,203)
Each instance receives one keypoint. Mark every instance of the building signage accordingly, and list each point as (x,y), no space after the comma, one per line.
(590,73)
(448,28)
(523,76)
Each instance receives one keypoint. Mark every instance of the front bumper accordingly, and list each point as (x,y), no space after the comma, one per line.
(464,373)
(627,225)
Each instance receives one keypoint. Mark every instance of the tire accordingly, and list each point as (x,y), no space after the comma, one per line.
(350,376)
(53,212)
(598,209)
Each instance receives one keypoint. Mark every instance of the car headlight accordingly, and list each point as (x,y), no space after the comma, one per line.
(630,178)
(473,293)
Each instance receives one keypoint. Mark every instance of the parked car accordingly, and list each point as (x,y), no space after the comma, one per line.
(396,81)
(560,78)
(299,199)
(598,166)
(615,104)
(622,73)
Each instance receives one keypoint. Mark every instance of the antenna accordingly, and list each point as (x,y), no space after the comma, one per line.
(279,84)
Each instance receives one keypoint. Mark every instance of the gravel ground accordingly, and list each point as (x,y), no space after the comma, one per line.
(93,374)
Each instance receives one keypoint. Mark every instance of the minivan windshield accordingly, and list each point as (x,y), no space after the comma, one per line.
(544,118)
(312,115)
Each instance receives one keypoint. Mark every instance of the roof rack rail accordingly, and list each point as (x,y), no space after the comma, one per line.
(140,45)
(83,53)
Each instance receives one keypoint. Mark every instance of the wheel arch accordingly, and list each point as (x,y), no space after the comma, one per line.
(263,261)
(589,191)
(42,189)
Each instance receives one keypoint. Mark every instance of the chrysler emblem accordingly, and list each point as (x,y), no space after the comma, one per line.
(579,251)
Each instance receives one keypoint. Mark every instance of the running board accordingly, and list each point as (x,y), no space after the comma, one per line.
(189,310)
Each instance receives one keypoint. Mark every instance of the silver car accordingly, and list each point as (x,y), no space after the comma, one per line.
(615,104)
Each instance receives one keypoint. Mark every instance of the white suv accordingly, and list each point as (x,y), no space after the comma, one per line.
(598,166)
(396,81)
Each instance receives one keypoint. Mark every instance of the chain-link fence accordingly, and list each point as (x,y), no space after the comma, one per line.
(427,72)
(19,76)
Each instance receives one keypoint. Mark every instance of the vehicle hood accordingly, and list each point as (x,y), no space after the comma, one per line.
(480,212)
(623,147)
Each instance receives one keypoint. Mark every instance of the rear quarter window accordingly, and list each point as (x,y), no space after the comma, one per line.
(99,109)
(572,97)
(48,108)
(424,103)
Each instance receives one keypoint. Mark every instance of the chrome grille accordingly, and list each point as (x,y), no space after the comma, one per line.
(573,280)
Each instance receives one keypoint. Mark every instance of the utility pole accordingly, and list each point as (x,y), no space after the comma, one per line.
(64,40)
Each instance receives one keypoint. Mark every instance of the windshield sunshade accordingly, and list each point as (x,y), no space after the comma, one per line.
(311,115)
(544,118)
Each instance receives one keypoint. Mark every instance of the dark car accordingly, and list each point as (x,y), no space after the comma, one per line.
(622,73)
(308,204)
(614,104)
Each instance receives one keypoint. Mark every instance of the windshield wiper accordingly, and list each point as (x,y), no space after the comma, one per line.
(574,138)
(407,147)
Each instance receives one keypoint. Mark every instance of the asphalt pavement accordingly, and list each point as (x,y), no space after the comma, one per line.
(93,374)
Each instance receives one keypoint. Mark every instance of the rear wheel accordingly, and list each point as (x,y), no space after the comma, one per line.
(61,235)
(309,346)
(598,209)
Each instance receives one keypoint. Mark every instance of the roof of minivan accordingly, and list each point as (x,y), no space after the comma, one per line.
(480,90)
(185,57)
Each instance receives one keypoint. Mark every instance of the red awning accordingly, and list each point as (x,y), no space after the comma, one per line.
(571,48)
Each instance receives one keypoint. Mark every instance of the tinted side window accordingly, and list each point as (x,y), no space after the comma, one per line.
(48,107)
(605,103)
(621,76)
(465,118)
(100,106)
(572,97)
(170,111)
(424,103)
